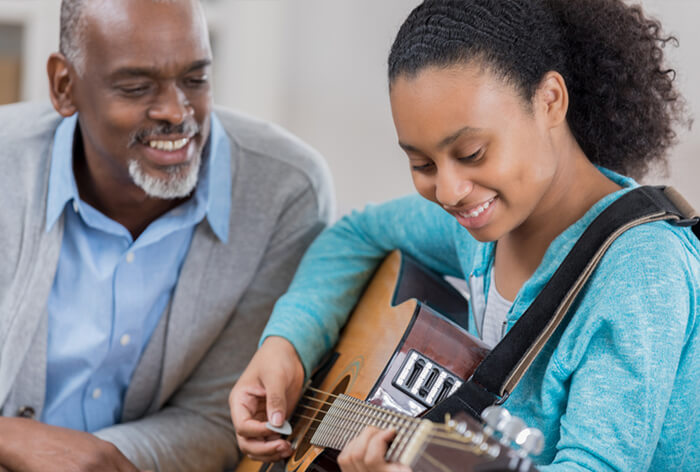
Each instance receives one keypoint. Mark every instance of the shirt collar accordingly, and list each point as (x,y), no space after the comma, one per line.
(62,186)
(214,180)
(219,180)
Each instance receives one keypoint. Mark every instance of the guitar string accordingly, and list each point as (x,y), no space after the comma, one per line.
(376,408)
(457,441)
(440,436)
(432,440)
(369,405)
(443,430)
(440,431)
(446,433)
(364,404)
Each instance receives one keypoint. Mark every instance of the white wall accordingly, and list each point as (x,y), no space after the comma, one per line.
(318,68)
(680,18)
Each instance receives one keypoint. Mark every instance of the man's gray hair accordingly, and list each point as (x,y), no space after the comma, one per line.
(73,26)
(73,33)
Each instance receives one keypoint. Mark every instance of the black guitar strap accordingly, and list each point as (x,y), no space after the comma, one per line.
(501,370)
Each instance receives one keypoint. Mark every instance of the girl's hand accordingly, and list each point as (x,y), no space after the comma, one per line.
(366,453)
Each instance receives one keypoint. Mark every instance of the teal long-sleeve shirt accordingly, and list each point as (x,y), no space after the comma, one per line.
(616,389)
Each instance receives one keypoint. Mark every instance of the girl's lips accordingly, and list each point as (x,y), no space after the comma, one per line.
(484,212)
(476,209)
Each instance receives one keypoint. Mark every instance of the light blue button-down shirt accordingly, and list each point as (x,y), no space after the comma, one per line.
(110,291)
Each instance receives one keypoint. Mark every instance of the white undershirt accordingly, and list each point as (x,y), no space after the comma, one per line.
(495,315)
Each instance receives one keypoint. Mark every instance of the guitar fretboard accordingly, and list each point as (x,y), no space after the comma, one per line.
(348,416)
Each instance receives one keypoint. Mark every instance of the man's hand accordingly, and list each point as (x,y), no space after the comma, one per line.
(366,453)
(267,391)
(31,446)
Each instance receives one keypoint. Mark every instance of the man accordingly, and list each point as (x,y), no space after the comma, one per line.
(145,239)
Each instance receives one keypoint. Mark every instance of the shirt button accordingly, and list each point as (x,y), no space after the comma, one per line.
(97,393)
(26,412)
(129,257)
(75,206)
(125,339)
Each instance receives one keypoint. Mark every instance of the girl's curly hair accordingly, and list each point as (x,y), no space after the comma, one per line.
(623,102)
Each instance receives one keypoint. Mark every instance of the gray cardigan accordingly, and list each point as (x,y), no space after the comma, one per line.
(175,415)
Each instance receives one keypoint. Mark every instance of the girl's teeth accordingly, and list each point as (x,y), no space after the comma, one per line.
(479,210)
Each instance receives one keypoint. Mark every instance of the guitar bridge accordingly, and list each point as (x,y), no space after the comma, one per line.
(425,380)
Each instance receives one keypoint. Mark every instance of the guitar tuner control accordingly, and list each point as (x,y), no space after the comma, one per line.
(496,418)
(531,441)
(512,428)
(494,451)
(461,428)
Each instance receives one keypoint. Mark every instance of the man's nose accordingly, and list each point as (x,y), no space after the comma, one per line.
(451,188)
(172,105)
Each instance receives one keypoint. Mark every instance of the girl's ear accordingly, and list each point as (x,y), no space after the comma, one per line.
(61,82)
(552,99)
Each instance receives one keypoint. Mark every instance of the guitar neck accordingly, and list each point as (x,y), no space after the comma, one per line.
(348,416)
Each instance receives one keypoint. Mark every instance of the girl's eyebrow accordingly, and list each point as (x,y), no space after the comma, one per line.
(445,141)
(453,137)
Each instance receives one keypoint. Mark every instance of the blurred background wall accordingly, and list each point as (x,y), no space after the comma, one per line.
(317,67)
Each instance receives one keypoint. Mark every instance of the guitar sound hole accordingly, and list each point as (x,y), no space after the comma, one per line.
(305,442)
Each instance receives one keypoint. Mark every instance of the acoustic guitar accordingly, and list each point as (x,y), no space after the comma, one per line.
(402,351)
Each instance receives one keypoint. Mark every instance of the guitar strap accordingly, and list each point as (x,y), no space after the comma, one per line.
(501,370)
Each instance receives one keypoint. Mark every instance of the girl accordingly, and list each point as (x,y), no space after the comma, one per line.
(522,120)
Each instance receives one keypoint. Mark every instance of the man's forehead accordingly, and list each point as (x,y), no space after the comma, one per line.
(147,27)
(140,15)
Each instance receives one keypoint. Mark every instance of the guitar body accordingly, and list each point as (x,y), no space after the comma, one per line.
(388,328)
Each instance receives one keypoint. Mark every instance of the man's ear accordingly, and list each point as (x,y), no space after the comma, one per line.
(61,82)
(552,98)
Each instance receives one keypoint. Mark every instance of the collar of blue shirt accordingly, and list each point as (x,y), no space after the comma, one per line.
(212,196)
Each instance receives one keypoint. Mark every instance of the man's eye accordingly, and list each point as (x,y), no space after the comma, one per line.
(197,81)
(133,90)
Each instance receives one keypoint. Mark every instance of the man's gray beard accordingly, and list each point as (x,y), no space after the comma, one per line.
(176,185)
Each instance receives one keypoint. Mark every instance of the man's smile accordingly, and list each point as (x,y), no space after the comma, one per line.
(168,145)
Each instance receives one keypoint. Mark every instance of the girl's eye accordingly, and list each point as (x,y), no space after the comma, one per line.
(422,167)
(471,157)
